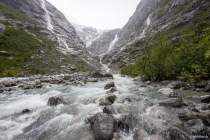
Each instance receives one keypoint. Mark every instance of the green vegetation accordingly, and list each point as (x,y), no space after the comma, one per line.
(188,61)
(20,45)
(10,12)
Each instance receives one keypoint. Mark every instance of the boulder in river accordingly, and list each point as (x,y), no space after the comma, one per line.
(25,111)
(174,95)
(103,126)
(206,99)
(111,98)
(53,101)
(165,91)
(10,83)
(186,115)
(109,109)
(109,85)
(195,126)
(104,102)
(207,88)
(173,102)
(97,74)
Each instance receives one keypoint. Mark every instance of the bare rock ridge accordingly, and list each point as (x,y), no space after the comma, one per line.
(150,18)
(103,43)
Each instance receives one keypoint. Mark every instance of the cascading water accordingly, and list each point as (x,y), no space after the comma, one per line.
(48,18)
(113,43)
(148,119)
(50,27)
(147,23)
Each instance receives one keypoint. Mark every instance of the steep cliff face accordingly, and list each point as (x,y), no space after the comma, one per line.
(53,23)
(87,34)
(152,17)
(103,43)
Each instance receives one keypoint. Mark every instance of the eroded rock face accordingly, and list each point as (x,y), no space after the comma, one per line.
(103,43)
(150,18)
(103,126)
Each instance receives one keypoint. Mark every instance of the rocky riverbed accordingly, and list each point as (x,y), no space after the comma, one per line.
(101,107)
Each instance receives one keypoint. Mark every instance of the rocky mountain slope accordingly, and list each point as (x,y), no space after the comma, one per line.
(103,43)
(31,32)
(172,17)
(87,34)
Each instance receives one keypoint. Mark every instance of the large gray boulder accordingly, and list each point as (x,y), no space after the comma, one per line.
(103,126)
(109,85)
(173,102)
(53,101)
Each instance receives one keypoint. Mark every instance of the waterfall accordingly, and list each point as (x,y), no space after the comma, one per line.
(61,42)
(113,43)
(50,27)
(148,22)
(47,14)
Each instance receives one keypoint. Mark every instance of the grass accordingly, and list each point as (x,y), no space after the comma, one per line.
(10,12)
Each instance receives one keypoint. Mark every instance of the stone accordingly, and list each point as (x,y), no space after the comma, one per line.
(109,109)
(207,88)
(107,75)
(53,101)
(173,102)
(10,83)
(104,102)
(174,95)
(187,115)
(206,99)
(165,91)
(195,126)
(103,126)
(111,98)
(174,133)
(148,82)
(109,85)
(25,111)
(2,27)
(1,90)
(97,75)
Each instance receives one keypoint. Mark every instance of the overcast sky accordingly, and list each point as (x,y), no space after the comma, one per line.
(101,14)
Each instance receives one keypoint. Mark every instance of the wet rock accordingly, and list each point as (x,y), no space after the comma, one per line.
(100,75)
(109,109)
(111,98)
(174,95)
(107,75)
(206,99)
(53,101)
(173,102)
(126,100)
(1,90)
(112,90)
(175,133)
(143,85)
(25,111)
(195,126)
(10,83)
(186,115)
(94,80)
(97,74)
(109,85)
(103,126)
(33,84)
(148,82)
(104,102)
(165,91)
(207,88)
(176,86)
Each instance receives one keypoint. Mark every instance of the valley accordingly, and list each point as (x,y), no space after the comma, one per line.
(148,80)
